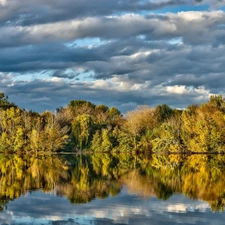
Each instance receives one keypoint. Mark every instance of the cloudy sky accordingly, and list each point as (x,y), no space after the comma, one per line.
(121,53)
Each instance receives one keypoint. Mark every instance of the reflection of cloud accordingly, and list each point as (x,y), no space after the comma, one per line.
(188,207)
(39,208)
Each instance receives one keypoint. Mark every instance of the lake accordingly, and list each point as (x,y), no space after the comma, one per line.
(112,189)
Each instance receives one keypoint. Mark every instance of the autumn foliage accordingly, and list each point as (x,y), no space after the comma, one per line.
(81,125)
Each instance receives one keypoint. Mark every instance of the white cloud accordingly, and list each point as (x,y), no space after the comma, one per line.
(184,208)
(3,2)
(176,89)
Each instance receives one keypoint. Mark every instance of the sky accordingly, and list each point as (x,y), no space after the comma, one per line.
(122,53)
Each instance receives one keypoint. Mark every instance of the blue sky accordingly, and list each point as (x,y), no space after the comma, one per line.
(176,9)
(119,53)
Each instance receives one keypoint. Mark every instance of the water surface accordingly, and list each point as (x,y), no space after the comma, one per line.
(112,189)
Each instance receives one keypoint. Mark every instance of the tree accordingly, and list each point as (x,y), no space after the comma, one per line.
(114,116)
(101,114)
(96,143)
(82,130)
(162,113)
(79,107)
(19,142)
(4,103)
(137,123)
(203,128)
(167,137)
(218,101)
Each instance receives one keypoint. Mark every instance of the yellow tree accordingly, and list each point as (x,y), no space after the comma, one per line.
(137,123)
(203,131)
(19,143)
(82,129)
(167,137)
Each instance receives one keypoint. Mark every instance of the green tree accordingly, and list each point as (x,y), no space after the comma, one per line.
(167,137)
(82,130)
(162,113)
(218,101)
(4,103)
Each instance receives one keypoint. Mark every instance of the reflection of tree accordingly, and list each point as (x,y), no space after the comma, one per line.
(196,176)
(203,177)
(81,178)
(164,192)
(90,177)
(19,175)
(218,204)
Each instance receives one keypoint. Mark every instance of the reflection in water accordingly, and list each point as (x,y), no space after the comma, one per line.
(115,189)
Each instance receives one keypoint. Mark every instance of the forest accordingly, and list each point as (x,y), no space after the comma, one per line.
(83,126)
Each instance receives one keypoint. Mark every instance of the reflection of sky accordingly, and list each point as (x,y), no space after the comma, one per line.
(40,208)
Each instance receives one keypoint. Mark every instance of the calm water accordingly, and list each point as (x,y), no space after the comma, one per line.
(112,189)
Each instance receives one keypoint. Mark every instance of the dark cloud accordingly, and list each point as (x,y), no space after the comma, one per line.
(27,12)
(64,74)
(195,28)
(120,53)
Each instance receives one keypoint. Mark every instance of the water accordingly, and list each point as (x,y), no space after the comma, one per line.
(107,189)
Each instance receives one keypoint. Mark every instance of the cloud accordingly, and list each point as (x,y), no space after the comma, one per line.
(123,53)
(28,12)
(138,74)
(215,3)
(40,95)
(192,27)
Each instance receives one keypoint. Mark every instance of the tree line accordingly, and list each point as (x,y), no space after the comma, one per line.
(82,125)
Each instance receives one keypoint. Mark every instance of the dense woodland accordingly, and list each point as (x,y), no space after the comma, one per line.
(81,125)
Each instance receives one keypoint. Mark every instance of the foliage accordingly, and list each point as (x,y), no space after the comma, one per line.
(4,103)
(84,125)
(28,132)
